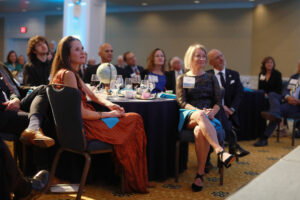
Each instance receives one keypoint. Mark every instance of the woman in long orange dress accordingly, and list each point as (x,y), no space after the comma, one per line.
(127,136)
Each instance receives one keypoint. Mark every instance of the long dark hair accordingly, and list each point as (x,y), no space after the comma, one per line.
(263,69)
(150,61)
(62,58)
(8,55)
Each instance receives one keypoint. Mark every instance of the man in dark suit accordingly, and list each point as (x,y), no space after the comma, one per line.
(171,76)
(289,109)
(231,85)
(106,54)
(131,69)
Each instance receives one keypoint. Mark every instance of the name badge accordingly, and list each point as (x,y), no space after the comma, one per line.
(262,77)
(294,81)
(153,79)
(188,82)
(132,75)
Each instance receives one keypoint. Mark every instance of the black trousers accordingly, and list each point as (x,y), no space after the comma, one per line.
(12,180)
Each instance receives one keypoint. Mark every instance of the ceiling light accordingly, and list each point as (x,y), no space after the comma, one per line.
(196,1)
(58,8)
(251,0)
(24,10)
(144,4)
(27,2)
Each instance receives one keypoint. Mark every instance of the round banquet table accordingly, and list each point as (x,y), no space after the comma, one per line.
(160,118)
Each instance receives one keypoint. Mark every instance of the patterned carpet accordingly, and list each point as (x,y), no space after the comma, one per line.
(235,177)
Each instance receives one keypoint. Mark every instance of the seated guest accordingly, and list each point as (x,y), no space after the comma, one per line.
(131,69)
(229,81)
(156,64)
(21,60)
(176,70)
(198,93)
(82,67)
(289,109)
(120,65)
(106,54)
(91,62)
(269,79)
(127,136)
(13,181)
(12,64)
(37,70)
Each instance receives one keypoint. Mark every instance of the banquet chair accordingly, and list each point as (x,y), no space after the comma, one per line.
(187,135)
(66,108)
(296,121)
(14,138)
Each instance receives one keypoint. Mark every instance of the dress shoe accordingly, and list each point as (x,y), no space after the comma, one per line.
(238,151)
(37,138)
(197,188)
(261,143)
(226,162)
(270,116)
(38,183)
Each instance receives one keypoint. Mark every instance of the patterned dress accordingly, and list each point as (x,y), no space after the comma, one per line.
(129,141)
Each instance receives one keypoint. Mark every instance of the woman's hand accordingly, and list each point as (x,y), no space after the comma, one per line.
(115,113)
(209,112)
(113,106)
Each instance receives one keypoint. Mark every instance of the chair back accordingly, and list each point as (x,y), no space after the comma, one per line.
(66,108)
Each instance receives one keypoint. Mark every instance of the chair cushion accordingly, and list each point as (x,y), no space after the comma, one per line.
(8,136)
(95,145)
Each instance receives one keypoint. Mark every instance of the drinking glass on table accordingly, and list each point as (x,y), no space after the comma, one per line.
(144,86)
(136,81)
(119,81)
(94,80)
(128,84)
(113,88)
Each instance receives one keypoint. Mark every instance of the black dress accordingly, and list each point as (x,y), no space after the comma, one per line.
(274,84)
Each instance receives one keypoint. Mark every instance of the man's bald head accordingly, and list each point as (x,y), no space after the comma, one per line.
(216,59)
(106,53)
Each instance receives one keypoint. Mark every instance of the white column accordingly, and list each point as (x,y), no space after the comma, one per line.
(85,19)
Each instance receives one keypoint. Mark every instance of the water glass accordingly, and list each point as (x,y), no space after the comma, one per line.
(128,84)
(113,88)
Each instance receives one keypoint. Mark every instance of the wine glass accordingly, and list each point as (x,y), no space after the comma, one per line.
(94,80)
(136,81)
(128,84)
(119,81)
(144,86)
(113,87)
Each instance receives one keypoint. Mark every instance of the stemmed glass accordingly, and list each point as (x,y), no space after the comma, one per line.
(94,80)
(114,87)
(128,84)
(151,82)
(144,86)
(136,81)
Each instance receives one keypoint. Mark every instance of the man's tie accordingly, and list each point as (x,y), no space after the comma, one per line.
(222,79)
(136,71)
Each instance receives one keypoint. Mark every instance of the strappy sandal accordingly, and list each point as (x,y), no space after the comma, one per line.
(195,187)
(228,161)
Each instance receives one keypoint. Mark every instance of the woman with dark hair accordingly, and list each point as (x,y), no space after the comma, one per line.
(198,94)
(269,79)
(11,63)
(127,136)
(156,64)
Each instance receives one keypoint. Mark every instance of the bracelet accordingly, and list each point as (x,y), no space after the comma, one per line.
(100,113)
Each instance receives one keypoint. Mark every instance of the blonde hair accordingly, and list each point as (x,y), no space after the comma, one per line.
(188,57)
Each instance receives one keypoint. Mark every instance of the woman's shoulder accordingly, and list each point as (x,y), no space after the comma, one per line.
(276,72)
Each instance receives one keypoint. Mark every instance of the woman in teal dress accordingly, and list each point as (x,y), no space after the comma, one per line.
(12,65)
(199,96)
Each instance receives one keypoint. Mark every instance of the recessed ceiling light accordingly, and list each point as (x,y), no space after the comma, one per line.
(196,1)
(251,0)
(58,8)
(27,2)
(144,4)
(24,10)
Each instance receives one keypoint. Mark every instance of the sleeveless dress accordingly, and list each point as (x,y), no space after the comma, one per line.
(128,139)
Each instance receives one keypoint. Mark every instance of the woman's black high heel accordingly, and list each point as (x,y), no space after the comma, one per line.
(195,187)
(228,161)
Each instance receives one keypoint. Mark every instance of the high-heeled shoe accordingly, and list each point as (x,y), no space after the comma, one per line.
(195,187)
(228,161)
(37,138)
